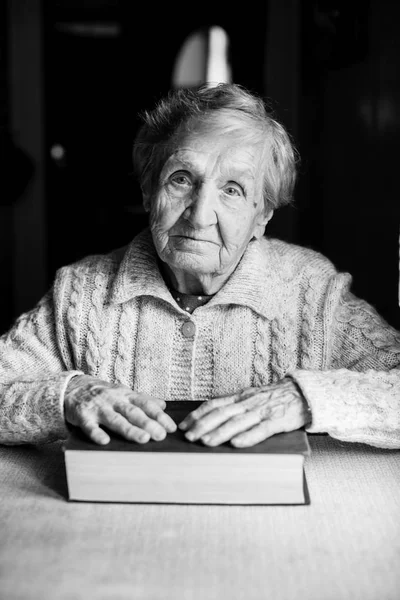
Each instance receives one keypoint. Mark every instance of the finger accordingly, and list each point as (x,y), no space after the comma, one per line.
(204,409)
(154,408)
(156,412)
(94,432)
(119,424)
(247,393)
(166,421)
(234,426)
(212,420)
(256,434)
(146,401)
(137,417)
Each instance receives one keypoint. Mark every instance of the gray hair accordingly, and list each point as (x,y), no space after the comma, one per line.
(181,112)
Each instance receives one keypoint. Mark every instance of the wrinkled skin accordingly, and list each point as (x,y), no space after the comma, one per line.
(248,417)
(207,207)
(90,403)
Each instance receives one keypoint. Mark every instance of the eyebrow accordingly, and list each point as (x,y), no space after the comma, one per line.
(247,173)
(239,173)
(174,159)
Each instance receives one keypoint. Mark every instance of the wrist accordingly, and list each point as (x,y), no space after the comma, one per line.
(307,413)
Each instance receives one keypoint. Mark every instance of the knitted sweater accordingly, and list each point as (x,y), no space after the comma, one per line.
(284,311)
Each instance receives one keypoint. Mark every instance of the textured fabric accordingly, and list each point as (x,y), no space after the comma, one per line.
(284,311)
(189,302)
(345,545)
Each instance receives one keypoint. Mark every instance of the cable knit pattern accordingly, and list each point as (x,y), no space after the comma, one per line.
(262,353)
(281,352)
(308,327)
(358,315)
(74,308)
(94,334)
(284,311)
(126,343)
(367,405)
(33,378)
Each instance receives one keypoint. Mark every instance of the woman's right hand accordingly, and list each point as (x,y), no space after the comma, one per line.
(91,403)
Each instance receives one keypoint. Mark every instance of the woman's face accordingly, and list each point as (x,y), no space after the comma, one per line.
(208,205)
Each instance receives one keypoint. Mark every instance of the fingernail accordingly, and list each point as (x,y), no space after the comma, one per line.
(103,440)
(190,436)
(183,425)
(166,422)
(170,425)
(206,439)
(237,443)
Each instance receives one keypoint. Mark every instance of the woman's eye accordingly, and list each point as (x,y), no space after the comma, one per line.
(180,179)
(233,190)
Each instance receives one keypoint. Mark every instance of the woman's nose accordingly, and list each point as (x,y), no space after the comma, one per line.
(201,212)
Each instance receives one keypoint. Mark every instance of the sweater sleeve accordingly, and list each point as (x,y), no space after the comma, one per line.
(356,397)
(33,379)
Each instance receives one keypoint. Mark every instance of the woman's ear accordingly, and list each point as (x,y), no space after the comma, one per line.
(146,199)
(261,223)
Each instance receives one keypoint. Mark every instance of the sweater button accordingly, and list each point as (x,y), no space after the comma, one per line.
(188,329)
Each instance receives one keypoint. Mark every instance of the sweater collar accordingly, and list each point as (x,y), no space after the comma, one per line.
(255,283)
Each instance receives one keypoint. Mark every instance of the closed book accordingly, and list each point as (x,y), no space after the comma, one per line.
(177,471)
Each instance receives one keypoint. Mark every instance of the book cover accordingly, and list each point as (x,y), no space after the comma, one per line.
(175,470)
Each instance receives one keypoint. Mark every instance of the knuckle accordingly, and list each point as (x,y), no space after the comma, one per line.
(236,419)
(213,403)
(264,413)
(157,412)
(127,430)
(151,406)
(159,402)
(220,411)
(148,424)
(247,393)
(88,426)
(135,412)
(195,415)
(120,405)
(137,399)
(85,412)
(114,418)
(80,410)
(104,411)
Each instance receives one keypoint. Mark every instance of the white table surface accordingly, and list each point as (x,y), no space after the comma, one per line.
(344,545)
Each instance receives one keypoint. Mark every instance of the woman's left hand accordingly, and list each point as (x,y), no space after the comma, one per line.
(248,417)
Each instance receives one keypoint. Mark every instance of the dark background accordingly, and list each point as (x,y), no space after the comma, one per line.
(330,69)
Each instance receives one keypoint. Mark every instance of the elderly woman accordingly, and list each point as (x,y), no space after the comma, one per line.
(203,306)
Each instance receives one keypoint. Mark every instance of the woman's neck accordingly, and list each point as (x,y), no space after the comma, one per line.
(194,284)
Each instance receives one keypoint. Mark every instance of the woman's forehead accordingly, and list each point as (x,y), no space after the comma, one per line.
(200,146)
(210,154)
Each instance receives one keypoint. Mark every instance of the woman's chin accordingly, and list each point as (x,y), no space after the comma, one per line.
(188,244)
(193,262)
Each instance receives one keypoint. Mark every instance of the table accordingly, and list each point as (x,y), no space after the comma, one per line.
(344,545)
